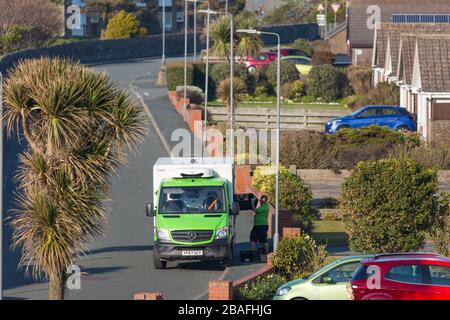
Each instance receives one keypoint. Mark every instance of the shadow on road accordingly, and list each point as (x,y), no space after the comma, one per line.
(120,249)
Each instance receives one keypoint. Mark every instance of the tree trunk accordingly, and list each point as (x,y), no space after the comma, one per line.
(56,287)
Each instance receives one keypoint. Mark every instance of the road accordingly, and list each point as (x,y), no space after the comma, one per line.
(120,264)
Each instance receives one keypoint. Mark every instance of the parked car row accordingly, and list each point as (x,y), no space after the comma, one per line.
(302,61)
(409,276)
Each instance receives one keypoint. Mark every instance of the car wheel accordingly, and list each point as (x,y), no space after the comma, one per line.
(157,262)
(299,299)
(344,126)
(402,129)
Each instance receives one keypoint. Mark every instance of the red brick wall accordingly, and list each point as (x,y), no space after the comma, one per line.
(243,180)
(220,290)
(148,296)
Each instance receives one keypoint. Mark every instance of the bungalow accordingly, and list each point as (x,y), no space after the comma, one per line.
(365,15)
(430,87)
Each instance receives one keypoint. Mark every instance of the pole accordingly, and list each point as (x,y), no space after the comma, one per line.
(326,20)
(226,6)
(208,16)
(195,31)
(1,186)
(163,59)
(232,82)
(277,187)
(185,56)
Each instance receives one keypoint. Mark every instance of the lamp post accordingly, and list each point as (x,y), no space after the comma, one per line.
(163,58)
(212,12)
(185,56)
(208,19)
(195,31)
(277,159)
(1,186)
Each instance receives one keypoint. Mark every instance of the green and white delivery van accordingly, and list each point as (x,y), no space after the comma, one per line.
(193,210)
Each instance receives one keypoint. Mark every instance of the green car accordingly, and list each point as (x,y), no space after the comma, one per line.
(302,63)
(329,283)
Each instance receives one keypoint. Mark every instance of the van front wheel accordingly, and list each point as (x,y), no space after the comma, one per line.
(228,261)
(157,262)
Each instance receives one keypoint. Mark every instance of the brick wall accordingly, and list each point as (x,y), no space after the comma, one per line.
(440,132)
(338,43)
(148,296)
(243,179)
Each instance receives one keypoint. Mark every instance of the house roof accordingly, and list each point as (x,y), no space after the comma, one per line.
(361,34)
(406,59)
(434,62)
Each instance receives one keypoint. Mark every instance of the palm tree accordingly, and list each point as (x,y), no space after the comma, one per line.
(220,35)
(247,44)
(78,128)
(223,92)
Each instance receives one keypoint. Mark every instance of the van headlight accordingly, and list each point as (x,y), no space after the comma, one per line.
(222,233)
(283,290)
(163,234)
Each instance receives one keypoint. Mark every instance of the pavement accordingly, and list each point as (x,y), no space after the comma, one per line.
(120,263)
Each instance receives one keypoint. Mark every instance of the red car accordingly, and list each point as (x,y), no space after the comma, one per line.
(262,59)
(287,52)
(410,276)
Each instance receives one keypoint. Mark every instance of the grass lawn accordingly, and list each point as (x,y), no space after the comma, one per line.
(330,233)
(305,106)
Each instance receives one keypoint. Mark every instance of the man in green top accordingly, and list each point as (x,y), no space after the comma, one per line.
(260,224)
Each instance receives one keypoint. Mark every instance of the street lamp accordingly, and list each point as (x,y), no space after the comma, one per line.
(212,12)
(277,161)
(163,58)
(185,57)
(1,186)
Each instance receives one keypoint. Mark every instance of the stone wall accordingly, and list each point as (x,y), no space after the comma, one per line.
(95,51)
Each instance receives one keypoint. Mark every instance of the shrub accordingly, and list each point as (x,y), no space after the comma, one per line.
(123,26)
(330,215)
(288,73)
(323,82)
(361,79)
(322,57)
(193,93)
(263,288)
(373,135)
(387,205)
(440,226)
(383,94)
(299,257)
(175,75)
(221,71)
(426,155)
(304,46)
(307,150)
(294,195)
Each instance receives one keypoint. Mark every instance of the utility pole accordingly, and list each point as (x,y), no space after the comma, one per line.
(1,186)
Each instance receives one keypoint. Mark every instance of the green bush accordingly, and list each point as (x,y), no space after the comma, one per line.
(322,57)
(373,135)
(263,288)
(304,46)
(324,82)
(175,75)
(440,226)
(387,205)
(299,257)
(288,73)
(294,195)
(221,71)
(123,26)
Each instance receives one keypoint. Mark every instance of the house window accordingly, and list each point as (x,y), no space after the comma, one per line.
(180,16)
(168,16)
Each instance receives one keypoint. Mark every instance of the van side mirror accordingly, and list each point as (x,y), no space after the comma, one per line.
(150,210)
(235,208)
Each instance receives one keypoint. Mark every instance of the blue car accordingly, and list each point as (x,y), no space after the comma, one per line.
(395,118)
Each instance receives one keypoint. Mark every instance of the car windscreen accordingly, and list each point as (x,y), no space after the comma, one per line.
(179,200)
